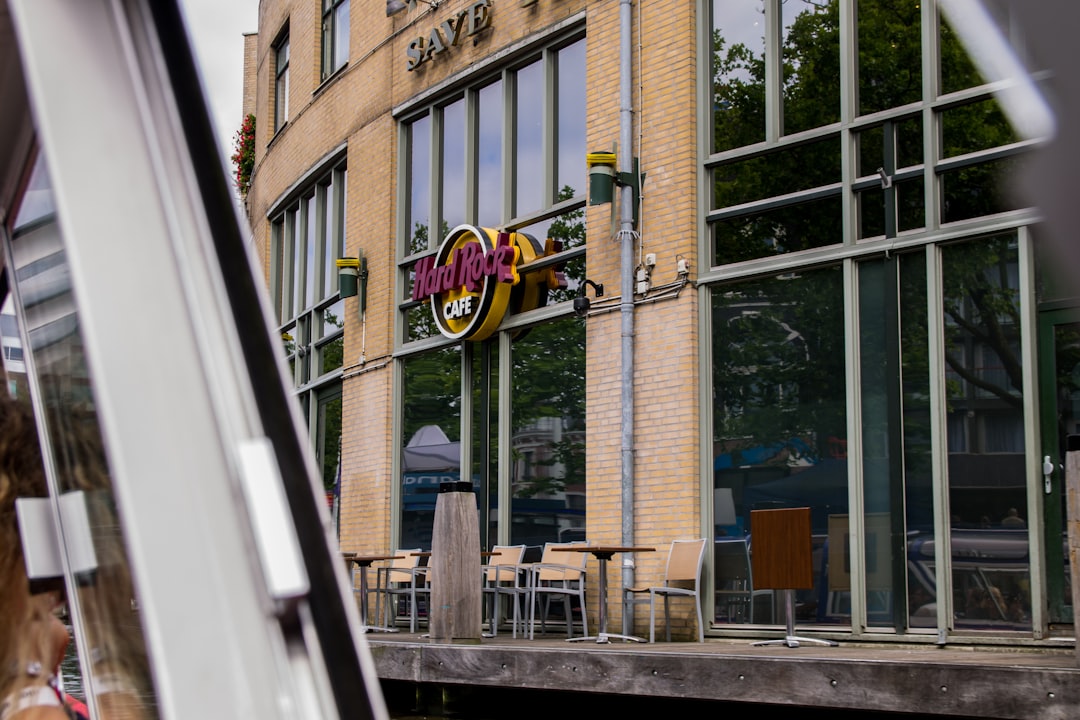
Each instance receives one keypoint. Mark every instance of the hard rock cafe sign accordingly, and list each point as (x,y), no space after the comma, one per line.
(473,280)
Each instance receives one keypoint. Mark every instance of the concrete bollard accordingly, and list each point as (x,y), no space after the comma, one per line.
(454,615)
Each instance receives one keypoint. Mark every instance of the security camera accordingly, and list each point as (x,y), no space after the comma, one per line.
(581,306)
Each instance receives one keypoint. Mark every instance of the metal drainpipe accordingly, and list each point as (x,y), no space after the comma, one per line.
(626,305)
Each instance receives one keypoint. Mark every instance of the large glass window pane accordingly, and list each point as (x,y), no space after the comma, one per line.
(296,239)
(528,153)
(978,190)
(453,167)
(419,164)
(738,74)
(341,34)
(918,469)
(987,462)
(976,126)
(281,84)
(489,195)
(548,434)
(331,251)
(811,64)
(105,601)
(430,443)
(571,120)
(796,168)
(773,232)
(890,54)
(779,427)
(895,438)
(485,436)
(958,72)
(328,432)
(310,241)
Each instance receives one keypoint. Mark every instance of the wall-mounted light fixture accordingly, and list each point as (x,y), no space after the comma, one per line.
(581,302)
(396,6)
(352,279)
(603,178)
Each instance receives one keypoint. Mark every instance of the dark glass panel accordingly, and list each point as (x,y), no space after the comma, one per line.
(811,64)
(871,213)
(738,74)
(890,54)
(331,355)
(779,423)
(329,434)
(909,142)
(918,467)
(548,434)
(979,190)
(910,205)
(798,168)
(973,127)
(773,232)
(985,429)
(431,433)
(957,70)
(871,149)
(485,436)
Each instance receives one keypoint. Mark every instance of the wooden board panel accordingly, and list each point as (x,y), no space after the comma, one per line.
(780,549)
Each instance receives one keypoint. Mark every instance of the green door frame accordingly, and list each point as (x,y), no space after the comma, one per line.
(1049,320)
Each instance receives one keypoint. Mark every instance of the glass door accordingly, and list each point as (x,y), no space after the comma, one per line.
(1059,388)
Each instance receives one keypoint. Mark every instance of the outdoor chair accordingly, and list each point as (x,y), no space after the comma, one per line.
(737,600)
(399,579)
(560,573)
(684,565)
(504,576)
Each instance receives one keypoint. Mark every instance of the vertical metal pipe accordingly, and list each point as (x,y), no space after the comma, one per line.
(626,305)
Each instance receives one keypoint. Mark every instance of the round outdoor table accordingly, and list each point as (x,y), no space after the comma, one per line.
(364,562)
(603,553)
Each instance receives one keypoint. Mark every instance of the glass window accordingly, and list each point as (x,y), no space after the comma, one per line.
(811,64)
(453,168)
(890,54)
(489,195)
(987,462)
(430,442)
(281,82)
(104,597)
(571,177)
(738,74)
(548,434)
(779,425)
(787,228)
(529,136)
(335,36)
(311,231)
(419,184)
(546,120)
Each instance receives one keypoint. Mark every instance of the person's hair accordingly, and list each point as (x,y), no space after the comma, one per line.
(21,475)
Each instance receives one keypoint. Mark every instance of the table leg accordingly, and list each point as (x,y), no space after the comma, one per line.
(604,636)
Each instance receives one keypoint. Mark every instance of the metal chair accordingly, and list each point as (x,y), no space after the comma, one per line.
(559,573)
(684,565)
(400,579)
(504,576)
(737,600)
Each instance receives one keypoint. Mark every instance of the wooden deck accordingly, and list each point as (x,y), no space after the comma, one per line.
(1004,682)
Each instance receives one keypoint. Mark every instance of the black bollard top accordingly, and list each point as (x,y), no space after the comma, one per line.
(1072,443)
(455,486)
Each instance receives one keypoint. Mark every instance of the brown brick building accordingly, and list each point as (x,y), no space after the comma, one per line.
(833,299)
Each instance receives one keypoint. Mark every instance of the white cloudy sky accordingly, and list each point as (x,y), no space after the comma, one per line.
(216,29)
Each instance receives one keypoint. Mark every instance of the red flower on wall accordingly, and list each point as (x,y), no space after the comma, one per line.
(243,158)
